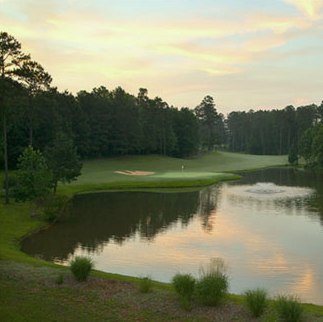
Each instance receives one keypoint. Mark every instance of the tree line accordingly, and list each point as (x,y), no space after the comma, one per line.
(103,122)
(271,132)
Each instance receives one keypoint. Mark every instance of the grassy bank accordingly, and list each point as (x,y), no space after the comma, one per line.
(29,288)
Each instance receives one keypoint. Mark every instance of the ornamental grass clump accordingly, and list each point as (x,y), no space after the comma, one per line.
(145,284)
(81,267)
(212,286)
(289,308)
(184,285)
(256,301)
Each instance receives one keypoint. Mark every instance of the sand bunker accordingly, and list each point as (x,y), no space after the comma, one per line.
(135,173)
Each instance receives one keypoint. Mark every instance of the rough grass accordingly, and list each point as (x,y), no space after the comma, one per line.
(15,223)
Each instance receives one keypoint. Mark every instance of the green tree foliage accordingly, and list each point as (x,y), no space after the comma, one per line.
(125,131)
(186,130)
(211,123)
(269,132)
(117,123)
(311,146)
(33,176)
(293,155)
(63,160)
(36,79)
(15,118)
(11,58)
(97,109)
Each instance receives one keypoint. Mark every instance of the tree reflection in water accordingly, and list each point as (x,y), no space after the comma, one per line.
(99,218)
(207,207)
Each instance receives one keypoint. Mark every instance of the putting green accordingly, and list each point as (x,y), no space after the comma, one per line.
(191,175)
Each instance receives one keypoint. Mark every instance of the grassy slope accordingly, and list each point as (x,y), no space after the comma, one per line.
(42,303)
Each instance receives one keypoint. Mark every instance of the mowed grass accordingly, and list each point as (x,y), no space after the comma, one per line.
(169,172)
(15,222)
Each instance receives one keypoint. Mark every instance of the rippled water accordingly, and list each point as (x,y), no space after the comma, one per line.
(267,228)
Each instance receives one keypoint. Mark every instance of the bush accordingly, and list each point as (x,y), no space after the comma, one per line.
(81,267)
(212,286)
(145,284)
(184,285)
(289,308)
(256,301)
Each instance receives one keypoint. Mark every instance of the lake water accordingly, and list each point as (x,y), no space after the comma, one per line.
(266,227)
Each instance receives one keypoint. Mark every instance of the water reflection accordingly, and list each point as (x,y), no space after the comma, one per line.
(208,200)
(270,197)
(268,233)
(297,178)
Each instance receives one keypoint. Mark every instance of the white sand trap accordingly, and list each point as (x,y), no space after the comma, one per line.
(135,173)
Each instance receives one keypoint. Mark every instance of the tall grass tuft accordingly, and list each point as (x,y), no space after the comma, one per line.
(289,308)
(256,301)
(212,286)
(184,285)
(145,284)
(81,267)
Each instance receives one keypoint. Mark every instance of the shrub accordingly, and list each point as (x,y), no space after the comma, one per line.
(289,308)
(81,267)
(145,284)
(256,301)
(212,286)
(184,285)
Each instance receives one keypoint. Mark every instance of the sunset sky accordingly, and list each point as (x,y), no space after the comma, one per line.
(247,54)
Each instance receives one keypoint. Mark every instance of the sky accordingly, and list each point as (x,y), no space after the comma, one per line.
(246,54)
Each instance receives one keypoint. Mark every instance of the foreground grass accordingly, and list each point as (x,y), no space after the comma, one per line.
(31,293)
(28,290)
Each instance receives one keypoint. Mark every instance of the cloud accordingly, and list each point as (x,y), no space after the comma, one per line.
(310,8)
(229,54)
(277,23)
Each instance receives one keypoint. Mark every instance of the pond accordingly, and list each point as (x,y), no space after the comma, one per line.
(267,227)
